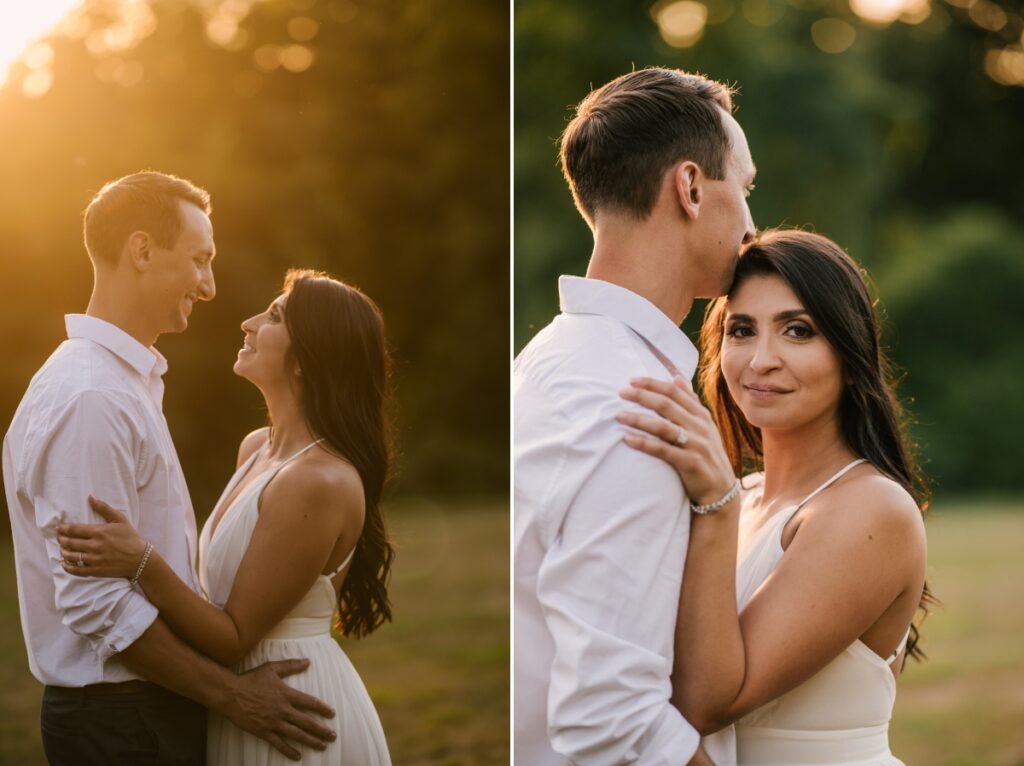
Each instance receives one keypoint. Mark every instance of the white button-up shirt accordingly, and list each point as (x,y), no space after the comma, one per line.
(600,542)
(91,422)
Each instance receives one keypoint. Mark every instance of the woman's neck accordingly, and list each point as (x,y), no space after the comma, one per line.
(797,461)
(289,432)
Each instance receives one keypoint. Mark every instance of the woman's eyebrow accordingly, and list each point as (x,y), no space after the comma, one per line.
(782,316)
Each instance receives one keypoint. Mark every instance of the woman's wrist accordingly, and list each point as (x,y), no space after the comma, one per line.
(143,561)
(716,504)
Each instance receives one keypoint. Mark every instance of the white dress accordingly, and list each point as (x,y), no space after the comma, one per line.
(838,717)
(304,633)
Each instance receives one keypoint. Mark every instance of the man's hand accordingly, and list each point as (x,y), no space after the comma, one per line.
(262,704)
(700,758)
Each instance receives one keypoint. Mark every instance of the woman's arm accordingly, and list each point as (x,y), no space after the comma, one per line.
(303,512)
(306,511)
(853,561)
(709,651)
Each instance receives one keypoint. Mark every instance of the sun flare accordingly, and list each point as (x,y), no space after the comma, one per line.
(25,22)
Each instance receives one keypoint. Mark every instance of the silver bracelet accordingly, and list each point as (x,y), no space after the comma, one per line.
(709,508)
(142,564)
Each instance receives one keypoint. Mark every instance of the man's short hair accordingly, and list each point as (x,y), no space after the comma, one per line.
(146,201)
(626,134)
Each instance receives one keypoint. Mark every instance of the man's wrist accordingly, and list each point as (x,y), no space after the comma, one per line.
(218,693)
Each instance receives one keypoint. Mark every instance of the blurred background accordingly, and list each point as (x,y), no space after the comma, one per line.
(894,127)
(368,138)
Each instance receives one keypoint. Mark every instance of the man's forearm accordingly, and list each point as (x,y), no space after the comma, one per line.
(203,626)
(158,655)
(258,701)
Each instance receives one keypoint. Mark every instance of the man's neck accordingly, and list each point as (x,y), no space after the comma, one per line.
(119,310)
(644,261)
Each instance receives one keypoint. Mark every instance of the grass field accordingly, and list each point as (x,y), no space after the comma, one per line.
(438,674)
(965,705)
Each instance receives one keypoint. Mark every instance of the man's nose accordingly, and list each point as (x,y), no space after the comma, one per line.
(207,285)
(751,232)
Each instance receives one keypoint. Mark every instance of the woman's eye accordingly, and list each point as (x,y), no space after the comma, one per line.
(740,331)
(800,331)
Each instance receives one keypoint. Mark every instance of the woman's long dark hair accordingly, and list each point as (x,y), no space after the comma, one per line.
(337,337)
(832,288)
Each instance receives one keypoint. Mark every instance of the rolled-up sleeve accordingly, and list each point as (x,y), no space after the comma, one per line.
(609,588)
(95,449)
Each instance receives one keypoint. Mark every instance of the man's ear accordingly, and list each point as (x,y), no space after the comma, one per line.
(688,183)
(139,250)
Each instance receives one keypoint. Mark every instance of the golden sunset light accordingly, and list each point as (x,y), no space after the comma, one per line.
(23,23)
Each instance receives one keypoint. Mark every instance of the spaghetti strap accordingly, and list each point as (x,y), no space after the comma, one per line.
(345,563)
(781,519)
(310,446)
(828,483)
(297,454)
(903,643)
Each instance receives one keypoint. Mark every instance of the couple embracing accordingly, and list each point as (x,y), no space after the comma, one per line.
(726,581)
(132,645)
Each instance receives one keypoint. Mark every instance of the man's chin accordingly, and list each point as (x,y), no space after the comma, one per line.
(178,325)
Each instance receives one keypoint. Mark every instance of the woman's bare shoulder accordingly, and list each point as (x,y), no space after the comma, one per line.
(872,502)
(251,443)
(321,482)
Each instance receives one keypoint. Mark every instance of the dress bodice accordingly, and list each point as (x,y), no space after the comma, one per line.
(839,715)
(305,632)
(222,549)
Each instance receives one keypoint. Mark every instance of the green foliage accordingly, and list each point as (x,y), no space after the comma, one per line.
(384,163)
(903,126)
(953,305)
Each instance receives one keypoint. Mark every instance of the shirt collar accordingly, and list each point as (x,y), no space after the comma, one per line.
(580,295)
(145,361)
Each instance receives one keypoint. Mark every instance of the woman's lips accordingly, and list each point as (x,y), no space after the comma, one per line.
(764,391)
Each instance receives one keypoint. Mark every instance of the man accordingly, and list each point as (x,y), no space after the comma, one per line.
(91,422)
(660,171)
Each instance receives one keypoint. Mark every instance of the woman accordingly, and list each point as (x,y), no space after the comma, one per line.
(298,530)
(798,597)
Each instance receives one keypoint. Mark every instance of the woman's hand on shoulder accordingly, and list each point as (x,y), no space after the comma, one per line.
(676,427)
(111,549)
